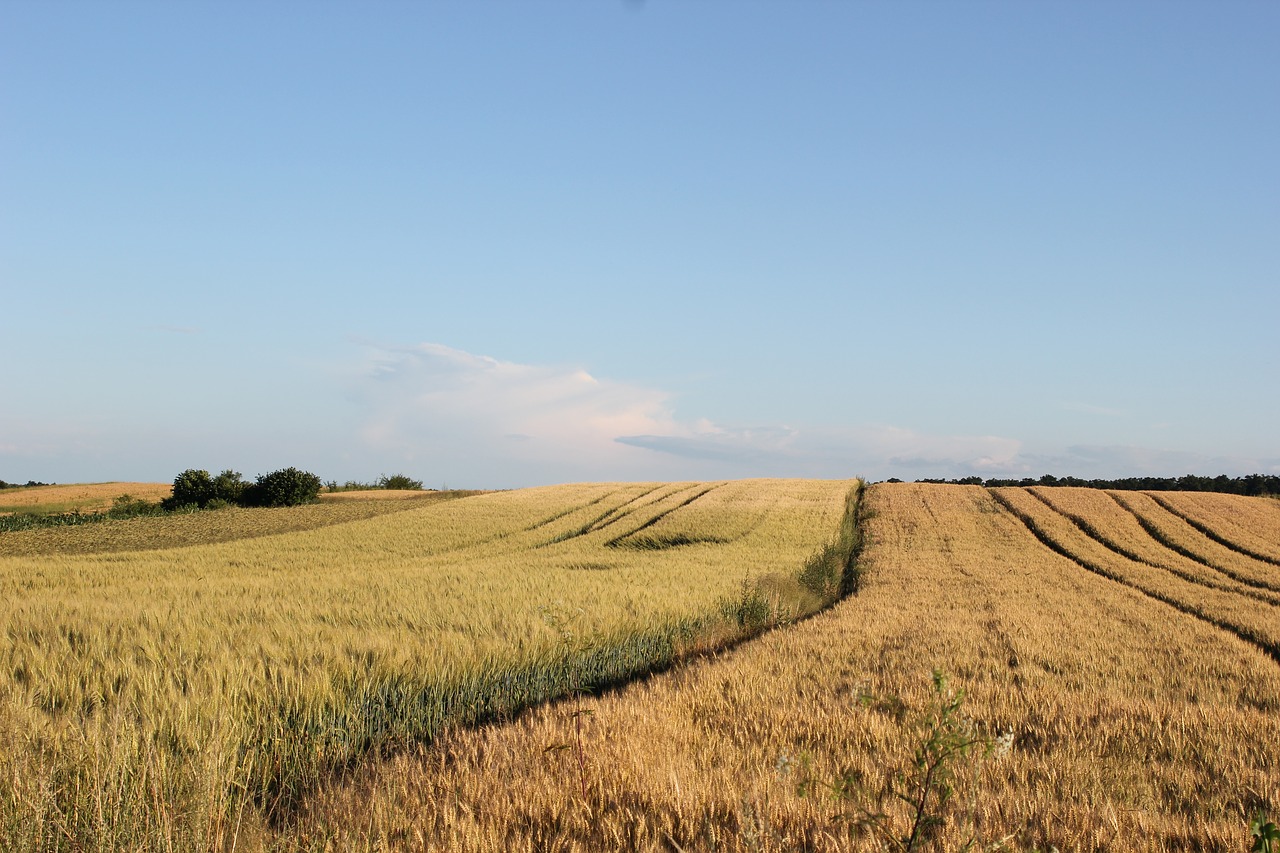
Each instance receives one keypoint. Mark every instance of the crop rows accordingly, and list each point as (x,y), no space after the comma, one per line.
(1087,527)
(1130,725)
(191,698)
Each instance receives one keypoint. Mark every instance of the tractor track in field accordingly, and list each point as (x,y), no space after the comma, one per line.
(1213,534)
(1087,528)
(617,541)
(1264,644)
(1161,535)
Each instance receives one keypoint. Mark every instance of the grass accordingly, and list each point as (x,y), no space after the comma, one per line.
(1131,725)
(197,697)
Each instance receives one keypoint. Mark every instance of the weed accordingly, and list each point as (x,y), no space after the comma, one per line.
(949,745)
(1265,834)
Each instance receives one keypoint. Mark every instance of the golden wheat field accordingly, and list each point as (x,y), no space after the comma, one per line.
(86,497)
(196,697)
(1125,696)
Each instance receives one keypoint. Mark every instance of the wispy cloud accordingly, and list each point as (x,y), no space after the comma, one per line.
(828,451)
(433,402)
(1090,409)
(435,405)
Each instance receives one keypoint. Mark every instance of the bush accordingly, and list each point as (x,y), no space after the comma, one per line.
(398,481)
(229,488)
(192,486)
(286,487)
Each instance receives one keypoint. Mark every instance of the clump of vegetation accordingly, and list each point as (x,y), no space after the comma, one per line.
(285,487)
(395,481)
(195,487)
(27,485)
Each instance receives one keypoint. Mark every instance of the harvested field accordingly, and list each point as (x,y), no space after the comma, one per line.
(1133,724)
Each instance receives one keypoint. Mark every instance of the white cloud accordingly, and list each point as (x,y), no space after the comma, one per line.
(508,423)
(431,402)
(874,451)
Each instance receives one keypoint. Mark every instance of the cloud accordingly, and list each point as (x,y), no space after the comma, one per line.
(874,451)
(434,402)
(1090,409)
(512,423)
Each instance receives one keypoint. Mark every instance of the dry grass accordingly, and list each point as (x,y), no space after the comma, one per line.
(166,699)
(85,497)
(1136,727)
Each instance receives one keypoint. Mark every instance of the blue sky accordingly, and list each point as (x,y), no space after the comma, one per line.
(502,244)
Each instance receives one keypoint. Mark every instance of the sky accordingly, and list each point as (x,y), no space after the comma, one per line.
(502,244)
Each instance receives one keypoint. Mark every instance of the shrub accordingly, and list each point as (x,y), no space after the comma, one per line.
(127,506)
(398,481)
(229,487)
(192,486)
(286,487)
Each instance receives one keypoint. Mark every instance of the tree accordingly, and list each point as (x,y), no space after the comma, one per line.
(193,486)
(398,481)
(286,487)
(230,487)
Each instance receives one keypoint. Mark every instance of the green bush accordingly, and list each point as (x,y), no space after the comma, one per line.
(229,488)
(192,486)
(286,487)
(398,481)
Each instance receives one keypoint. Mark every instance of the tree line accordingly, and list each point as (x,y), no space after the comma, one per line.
(1253,485)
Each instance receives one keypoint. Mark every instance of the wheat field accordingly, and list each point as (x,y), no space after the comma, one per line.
(191,698)
(87,497)
(1128,693)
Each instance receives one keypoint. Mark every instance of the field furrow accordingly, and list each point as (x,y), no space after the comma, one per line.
(1251,527)
(667,512)
(1252,621)
(1175,533)
(628,499)
(1129,730)
(605,494)
(1100,518)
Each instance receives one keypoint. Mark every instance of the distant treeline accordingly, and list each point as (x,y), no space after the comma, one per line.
(4,485)
(1253,484)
